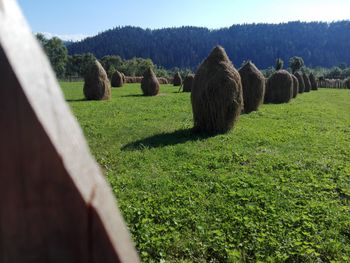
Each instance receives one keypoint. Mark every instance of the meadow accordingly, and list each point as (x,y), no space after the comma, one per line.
(274,189)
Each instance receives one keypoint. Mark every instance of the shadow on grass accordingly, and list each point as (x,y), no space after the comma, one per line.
(165,139)
(133,95)
(76,100)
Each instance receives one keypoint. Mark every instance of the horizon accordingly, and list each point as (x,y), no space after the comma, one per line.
(91,18)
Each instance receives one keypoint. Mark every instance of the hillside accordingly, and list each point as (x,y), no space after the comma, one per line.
(320,44)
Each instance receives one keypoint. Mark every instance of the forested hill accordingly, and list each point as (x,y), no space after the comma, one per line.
(319,44)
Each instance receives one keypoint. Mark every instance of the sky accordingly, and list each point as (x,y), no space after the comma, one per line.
(76,19)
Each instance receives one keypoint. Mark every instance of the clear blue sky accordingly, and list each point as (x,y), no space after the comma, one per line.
(78,18)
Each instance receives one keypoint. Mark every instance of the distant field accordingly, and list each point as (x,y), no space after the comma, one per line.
(275,189)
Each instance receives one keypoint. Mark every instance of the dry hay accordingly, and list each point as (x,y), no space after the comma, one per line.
(188,83)
(216,97)
(96,83)
(149,83)
(347,83)
(129,79)
(123,76)
(313,82)
(253,84)
(177,81)
(163,81)
(295,86)
(117,79)
(301,82)
(307,83)
(279,87)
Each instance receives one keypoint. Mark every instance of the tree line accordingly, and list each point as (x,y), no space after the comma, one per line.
(318,43)
(76,65)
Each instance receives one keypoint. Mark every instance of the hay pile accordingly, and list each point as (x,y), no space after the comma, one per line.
(163,81)
(117,79)
(313,82)
(295,86)
(307,83)
(124,78)
(279,87)
(301,82)
(216,97)
(177,81)
(149,83)
(253,84)
(347,83)
(188,83)
(96,83)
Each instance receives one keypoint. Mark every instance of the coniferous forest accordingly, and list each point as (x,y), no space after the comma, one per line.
(318,43)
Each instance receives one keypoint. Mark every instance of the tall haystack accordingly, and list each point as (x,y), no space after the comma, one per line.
(149,83)
(177,79)
(253,84)
(279,87)
(307,83)
(295,86)
(123,76)
(188,83)
(216,97)
(117,79)
(97,86)
(301,82)
(313,82)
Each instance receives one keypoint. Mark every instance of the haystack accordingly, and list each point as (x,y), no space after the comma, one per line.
(307,83)
(295,86)
(313,82)
(177,79)
(279,87)
(188,83)
(162,80)
(216,97)
(117,79)
(301,82)
(123,76)
(149,83)
(97,86)
(253,84)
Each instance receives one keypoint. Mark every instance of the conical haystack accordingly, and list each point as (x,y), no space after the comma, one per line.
(97,86)
(216,97)
(313,82)
(188,83)
(253,84)
(149,83)
(295,86)
(177,79)
(300,81)
(279,87)
(307,83)
(117,79)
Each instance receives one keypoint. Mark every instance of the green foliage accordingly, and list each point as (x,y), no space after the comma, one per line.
(296,63)
(279,64)
(78,65)
(56,52)
(111,64)
(275,189)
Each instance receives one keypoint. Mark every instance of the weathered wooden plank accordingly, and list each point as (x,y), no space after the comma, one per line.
(55,205)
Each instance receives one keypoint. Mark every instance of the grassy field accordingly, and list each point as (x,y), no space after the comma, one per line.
(275,189)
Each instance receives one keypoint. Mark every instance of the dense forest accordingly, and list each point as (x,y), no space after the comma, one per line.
(318,43)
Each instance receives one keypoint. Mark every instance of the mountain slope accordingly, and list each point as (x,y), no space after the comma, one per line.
(320,44)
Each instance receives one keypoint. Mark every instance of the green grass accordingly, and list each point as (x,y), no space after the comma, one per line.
(275,189)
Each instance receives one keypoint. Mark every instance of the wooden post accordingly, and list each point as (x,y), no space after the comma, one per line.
(55,205)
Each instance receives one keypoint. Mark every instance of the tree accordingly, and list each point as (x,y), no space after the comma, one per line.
(296,63)
(111,63)
(279,64)
(57,53)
